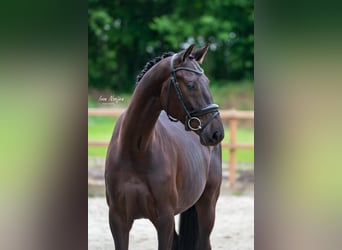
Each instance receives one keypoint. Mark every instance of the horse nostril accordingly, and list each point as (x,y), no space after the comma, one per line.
(216,136)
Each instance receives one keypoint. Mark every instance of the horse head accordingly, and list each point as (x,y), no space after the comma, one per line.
(186,97)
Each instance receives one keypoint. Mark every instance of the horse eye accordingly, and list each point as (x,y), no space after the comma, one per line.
(190,85)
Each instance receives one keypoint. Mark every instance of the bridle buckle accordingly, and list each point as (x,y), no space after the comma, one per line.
(198,121)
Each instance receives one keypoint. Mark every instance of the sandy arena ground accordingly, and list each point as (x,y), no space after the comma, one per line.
(233,230)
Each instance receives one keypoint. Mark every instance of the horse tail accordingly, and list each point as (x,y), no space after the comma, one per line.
(175,243)
(188,230)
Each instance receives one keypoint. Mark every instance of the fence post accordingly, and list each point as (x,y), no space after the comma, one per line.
(232,158)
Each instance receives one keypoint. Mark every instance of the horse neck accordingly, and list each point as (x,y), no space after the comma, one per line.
(142,114)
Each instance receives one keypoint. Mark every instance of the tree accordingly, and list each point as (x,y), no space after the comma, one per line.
(124,35)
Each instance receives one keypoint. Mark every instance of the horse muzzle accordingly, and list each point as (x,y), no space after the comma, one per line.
(212,138)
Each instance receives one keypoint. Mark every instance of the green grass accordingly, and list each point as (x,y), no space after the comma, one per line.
(99,129)
(243,135)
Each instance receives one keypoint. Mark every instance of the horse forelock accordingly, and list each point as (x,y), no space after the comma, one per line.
(151,63)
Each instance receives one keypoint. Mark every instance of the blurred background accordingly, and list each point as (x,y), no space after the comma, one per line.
(125,35)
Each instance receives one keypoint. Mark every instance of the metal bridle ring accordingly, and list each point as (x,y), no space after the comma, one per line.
(198,121)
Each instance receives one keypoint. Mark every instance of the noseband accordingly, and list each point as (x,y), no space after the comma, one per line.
(191,116)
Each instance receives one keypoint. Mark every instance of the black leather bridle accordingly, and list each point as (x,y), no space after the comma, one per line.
(191,116)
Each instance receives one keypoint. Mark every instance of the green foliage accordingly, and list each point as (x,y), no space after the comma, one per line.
(124,35)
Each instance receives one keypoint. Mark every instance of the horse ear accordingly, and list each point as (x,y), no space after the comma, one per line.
(186,53)
(199,54)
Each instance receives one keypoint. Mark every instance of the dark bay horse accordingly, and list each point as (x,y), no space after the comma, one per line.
(164,157)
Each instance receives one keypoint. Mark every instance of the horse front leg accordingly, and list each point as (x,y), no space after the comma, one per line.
(165,225)
(205,207)
(206,223)
(120,226)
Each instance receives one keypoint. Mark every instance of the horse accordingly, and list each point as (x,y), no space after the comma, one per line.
(164,157)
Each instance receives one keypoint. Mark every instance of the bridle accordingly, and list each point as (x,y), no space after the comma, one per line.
(191,116)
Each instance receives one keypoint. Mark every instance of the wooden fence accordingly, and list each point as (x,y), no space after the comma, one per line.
(231,115)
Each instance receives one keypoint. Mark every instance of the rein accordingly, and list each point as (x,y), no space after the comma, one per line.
(191,116)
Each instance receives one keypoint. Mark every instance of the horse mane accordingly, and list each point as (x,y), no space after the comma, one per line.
(152,62)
